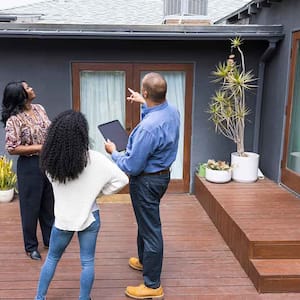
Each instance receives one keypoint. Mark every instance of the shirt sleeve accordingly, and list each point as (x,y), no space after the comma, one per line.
(134,160)
(107,174)
(117,180)
(12,134)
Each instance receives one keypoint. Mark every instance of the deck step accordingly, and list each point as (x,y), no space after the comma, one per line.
(275,275)
(275,249)
(259,223)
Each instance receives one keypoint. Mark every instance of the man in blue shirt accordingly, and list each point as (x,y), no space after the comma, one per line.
(151,149)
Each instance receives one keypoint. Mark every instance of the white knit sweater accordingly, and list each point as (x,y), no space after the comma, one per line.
(75,200)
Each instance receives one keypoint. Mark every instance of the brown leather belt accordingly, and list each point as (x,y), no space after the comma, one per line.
(165,171)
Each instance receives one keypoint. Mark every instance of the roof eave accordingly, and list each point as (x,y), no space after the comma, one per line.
(149,32)
(247,10)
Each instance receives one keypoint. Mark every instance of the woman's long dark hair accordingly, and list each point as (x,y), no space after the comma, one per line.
(14,99)
(65,151)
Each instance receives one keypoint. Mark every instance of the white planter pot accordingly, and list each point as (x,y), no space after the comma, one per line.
(217,176)
(7,195)
(244,168)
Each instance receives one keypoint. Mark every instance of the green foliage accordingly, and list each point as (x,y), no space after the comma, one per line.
(228,108)
(8,178)
(218,165)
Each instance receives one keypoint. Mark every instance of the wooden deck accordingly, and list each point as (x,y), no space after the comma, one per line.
(260,223)
(198,263)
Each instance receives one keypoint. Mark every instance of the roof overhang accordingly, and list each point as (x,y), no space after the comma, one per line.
(247,10)
(141,32)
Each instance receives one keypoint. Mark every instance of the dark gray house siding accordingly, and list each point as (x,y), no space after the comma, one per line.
(276,83)
(44,60)
(276,79)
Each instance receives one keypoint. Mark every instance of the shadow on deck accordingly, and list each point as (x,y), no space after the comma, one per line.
(198,263)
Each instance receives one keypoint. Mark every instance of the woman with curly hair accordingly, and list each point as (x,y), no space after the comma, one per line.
(78,176)
(26,126)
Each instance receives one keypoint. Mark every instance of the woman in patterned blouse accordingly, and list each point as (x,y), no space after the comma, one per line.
(26,126)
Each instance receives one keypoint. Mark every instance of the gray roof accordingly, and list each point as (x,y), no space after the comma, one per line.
(94,12)
(218,9)
(130,12)
(244,12)
(122,19)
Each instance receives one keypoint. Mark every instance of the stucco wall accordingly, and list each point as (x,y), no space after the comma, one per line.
(45,64)
(275,94)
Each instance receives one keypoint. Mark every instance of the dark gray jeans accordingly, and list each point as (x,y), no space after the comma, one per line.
(146,192)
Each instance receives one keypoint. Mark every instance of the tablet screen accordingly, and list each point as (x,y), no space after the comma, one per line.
(115,132)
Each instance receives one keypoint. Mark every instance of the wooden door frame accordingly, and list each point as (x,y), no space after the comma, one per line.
(288,177)
(81,66)
(133,75)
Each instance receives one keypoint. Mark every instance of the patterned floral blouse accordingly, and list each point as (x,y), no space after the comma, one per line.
(23,129)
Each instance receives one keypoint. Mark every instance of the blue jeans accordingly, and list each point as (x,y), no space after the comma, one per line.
(146,192)
(59,240)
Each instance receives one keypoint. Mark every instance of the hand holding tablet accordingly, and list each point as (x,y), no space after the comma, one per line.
(114,131)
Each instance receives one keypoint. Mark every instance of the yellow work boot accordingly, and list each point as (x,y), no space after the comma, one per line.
(135,264)
(144,292)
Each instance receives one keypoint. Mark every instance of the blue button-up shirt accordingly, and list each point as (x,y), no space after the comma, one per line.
(152,145)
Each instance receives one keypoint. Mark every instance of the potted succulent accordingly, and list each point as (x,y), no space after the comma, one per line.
(228,110)
(8,179)
(217,171)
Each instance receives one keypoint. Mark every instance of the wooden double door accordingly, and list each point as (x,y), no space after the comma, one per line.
(100,91)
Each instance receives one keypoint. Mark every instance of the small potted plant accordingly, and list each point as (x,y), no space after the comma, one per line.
(228,110)
(217,171)
(8,179)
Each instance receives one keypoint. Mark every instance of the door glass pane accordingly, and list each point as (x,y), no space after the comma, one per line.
(176,96)
(293,161)
(102,99)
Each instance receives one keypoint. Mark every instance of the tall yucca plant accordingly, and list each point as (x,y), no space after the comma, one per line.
(228,108)
(8,177)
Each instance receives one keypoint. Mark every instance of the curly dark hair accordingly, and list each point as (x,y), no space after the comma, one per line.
(65,152)
(13,102)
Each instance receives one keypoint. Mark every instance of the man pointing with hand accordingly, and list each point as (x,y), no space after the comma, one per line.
(151,149)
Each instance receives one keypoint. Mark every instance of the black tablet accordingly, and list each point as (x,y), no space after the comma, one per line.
(115,132)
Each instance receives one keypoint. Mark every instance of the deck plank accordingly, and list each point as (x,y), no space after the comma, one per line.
(198,264)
